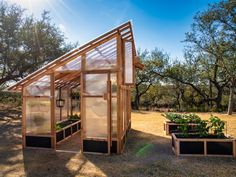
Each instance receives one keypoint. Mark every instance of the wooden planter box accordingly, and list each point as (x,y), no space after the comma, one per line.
(68,131)
(203,146)
(171,127)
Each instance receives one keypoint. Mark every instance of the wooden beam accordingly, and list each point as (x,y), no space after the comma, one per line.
(23,124)
(82,103)
(53,118)
(119,83)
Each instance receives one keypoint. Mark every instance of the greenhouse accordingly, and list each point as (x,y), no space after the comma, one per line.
(87,91)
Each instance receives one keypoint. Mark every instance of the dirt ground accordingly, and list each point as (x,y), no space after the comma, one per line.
(147,153)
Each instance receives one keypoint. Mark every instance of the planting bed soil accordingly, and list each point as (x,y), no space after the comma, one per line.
(203,146)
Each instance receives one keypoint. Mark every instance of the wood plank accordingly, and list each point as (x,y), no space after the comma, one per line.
(109,128)
(23,124)
(53,118)
(82,103)
(119,82)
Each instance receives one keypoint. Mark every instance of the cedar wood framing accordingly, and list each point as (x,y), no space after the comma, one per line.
(70,79)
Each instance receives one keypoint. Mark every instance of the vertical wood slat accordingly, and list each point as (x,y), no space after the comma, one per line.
(109,128)
(119,82)
(205,147)
(23,123)
(53,121)
(82,103)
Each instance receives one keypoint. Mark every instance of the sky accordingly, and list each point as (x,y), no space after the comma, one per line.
(156,23)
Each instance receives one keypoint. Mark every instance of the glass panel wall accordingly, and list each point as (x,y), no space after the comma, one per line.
(96,117)
(95,102)
(95,84)
(38,106)
(38,113)
(128,63)
(41,87)
(103,56)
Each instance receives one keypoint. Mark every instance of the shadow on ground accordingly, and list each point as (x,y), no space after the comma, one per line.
(144,155)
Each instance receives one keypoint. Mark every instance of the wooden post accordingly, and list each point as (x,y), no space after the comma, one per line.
(23,123)
(119,83)
(53,121)
(109,128)
(82,106)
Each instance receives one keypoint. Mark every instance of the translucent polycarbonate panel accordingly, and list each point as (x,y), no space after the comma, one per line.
(128,63)
(65,108)
(114,117)
(75,100)
(38,115)
(72,65)
(103,56)
(95,84)
(62,113)
(95,117)
(57,109)
(41,87)
(113,78)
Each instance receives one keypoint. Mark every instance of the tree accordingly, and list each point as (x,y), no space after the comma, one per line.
(212,39)
(26,43)
(144,79)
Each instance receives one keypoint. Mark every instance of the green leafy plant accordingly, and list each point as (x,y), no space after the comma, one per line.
(58,127)
(203,128)
(217,126)
(192,118)
(74,117)
(173,117)
(183,127)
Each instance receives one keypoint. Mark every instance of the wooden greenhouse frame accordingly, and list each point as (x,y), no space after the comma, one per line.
(104,71)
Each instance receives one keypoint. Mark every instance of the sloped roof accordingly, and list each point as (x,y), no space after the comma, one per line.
(74,56)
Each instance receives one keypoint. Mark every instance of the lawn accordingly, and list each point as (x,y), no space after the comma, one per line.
(147,153)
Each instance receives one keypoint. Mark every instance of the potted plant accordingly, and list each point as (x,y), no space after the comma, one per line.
(208,140)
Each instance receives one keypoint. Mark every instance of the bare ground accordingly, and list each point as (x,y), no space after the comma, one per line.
(147,153)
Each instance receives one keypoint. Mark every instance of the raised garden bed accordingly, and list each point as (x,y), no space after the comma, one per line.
(203,146)
(172,127)
(66,129)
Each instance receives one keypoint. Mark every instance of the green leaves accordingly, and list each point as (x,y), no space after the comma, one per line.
(74,117)
(27,43)
(217,126)
(214,126)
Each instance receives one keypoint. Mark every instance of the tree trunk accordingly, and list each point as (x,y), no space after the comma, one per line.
(136,102)
(231,96)
(219,99)
(210,94)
